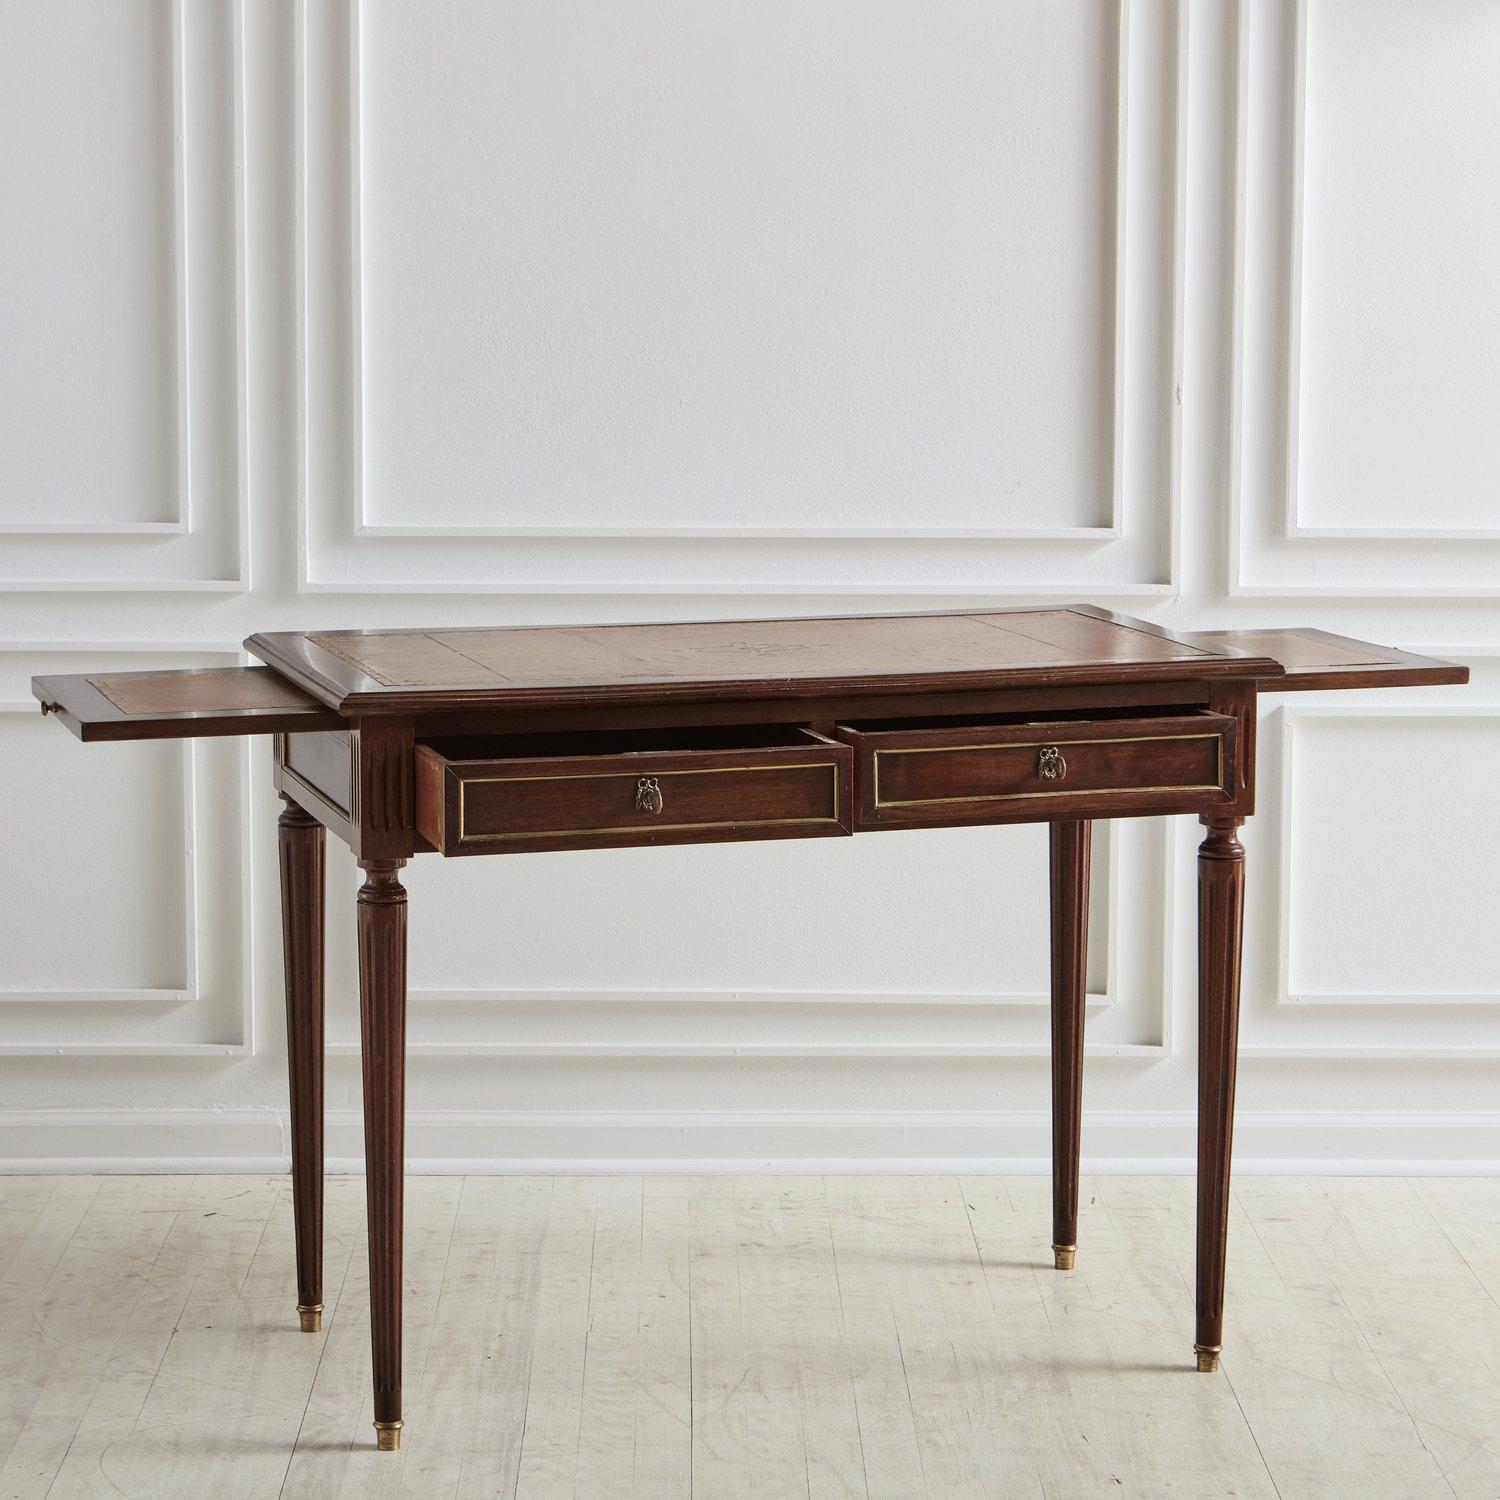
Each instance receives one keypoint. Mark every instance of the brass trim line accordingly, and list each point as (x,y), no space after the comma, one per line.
(296,776)
(1101,791)
(465,782)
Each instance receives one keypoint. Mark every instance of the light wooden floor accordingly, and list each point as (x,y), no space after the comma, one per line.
(737,1336)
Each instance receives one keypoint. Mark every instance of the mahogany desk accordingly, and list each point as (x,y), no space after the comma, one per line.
(466,742)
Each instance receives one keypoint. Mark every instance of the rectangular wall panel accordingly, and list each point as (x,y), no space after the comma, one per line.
(125,889)
(1367,928)
(1399,328)
(78,924)
(820,269)
(803,320)
(121,299)
(1366,312)
(90,286)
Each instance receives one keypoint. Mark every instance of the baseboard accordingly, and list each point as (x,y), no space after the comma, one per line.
(498,1141)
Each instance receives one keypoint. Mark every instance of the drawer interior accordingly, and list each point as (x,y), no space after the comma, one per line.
(1036,716)
(459,748)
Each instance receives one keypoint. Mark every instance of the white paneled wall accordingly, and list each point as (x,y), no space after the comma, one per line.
(357,312)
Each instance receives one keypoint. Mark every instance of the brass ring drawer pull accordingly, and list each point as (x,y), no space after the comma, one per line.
(1050,765)
(648,795)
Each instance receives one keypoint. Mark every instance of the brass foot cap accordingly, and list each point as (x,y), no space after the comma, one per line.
(1208,1357)
(311,1315)
(1062,1256)
(387,1436)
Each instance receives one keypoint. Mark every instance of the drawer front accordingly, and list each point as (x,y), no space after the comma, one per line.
(584,802)
(980,773)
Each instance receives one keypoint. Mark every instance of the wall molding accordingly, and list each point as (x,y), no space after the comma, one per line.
(363,526)
(195,872)
(1295,526)
(982,999)
(1291,717)
(191,990)
(1383,1053)
(1298,1048)
(189,510)
(1372,546)
(488,995)
(670,1142)
(181,524)
(687,1051)
(1157,1045)
(363,529)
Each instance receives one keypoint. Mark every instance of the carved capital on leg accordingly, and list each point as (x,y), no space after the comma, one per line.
(294,815)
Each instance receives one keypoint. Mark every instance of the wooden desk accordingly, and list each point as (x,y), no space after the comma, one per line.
(466,742)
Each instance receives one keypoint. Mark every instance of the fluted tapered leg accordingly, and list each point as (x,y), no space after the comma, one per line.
(300,840)
(1221,910)
(1070,922)
(382,1026)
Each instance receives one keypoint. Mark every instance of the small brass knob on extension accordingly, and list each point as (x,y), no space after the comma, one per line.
(1050,765)
(648,795)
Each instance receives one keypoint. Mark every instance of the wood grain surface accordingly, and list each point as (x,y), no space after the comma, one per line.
(744,650)
(190,704)
(433,671)
(212,690)
(694,1338)
(1068,869)
(572,792)
(300,841)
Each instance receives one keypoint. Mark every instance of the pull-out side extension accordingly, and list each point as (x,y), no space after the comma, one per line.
(180,705)
(1317,660)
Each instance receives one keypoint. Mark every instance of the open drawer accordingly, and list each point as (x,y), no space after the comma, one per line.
(912,773)
(493,794)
